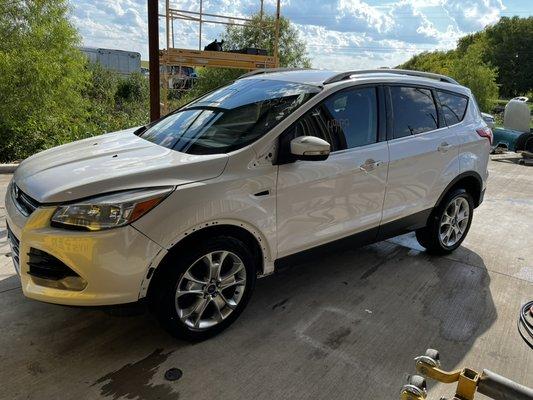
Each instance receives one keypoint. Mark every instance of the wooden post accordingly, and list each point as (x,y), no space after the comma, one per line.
(167,18)
(276,42)
(153,51)
(200,33)
(172,25)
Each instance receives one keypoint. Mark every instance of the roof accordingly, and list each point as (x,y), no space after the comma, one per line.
(321,77)
(306,76)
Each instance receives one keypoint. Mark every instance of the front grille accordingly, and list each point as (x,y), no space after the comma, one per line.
(24,203)
(14,243)
(43,265)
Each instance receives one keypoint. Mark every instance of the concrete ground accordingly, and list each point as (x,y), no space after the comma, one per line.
(342,327)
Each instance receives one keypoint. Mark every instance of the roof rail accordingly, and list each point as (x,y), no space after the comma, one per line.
(268,71)
(348,74)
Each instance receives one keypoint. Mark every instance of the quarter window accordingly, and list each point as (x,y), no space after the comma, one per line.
(414,111)
(453,107)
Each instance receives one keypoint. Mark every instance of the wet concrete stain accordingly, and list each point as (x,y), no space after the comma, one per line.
(281,304)
(132,381)
(373,269)
(336,338)
(461,302)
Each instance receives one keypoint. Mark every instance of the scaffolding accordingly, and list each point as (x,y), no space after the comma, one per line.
(173,56)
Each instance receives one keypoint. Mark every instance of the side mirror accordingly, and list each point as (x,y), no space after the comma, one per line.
(310,148)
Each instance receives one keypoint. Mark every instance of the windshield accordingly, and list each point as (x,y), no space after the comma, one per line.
(231,117)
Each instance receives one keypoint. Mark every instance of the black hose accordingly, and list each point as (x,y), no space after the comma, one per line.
(525,326)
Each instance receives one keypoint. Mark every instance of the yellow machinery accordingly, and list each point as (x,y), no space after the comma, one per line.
(203,58)
(468,382)
(172,56)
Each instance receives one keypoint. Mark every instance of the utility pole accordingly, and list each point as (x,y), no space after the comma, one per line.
(153,52)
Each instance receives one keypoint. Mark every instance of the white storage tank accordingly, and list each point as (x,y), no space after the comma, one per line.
(517,115)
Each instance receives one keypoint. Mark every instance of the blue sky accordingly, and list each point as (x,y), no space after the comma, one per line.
(339,33)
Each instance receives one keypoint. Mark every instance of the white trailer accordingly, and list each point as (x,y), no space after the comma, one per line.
(119,61)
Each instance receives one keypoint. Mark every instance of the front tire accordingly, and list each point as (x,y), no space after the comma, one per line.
(202,291)
(448,224)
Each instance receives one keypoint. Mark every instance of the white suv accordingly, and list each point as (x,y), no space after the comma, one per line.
(188,211)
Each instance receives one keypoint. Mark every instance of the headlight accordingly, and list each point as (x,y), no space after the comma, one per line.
(109,211)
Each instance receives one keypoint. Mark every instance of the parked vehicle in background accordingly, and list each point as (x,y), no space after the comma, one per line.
(188,211)
(120,61)
(180,77)
(489,119)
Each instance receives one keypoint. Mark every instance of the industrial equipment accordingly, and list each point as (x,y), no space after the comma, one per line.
(468,382)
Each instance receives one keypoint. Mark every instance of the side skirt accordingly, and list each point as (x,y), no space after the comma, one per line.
(388,230)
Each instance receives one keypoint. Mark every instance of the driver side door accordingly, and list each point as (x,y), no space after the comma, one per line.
(322,201)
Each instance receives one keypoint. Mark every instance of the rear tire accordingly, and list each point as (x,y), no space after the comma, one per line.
(449,223)
(201,291)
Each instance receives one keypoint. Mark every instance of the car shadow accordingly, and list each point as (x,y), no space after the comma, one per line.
(376,308)
(355,318)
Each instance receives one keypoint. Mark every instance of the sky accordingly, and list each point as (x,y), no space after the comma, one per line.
(339,34)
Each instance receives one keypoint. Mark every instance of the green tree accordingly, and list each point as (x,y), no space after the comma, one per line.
(509,48)
(292,50)
(470,70)
(42,77)
(467,67)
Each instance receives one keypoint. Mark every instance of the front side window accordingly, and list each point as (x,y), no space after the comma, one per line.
(231,117)
(453,107)
(414,111)
(345,120)
(355,116)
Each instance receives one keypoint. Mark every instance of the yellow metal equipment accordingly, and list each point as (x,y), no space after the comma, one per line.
(468,382)
(172,56)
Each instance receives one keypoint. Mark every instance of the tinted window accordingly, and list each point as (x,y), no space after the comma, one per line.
(414,111)
(354,115)
(453,107)
(231,117)
(345,120)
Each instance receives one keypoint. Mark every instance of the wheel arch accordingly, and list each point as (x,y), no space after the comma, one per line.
(250,237)
(470,181)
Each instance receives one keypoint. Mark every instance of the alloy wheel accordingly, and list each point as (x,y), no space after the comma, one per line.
(210,289)
(454,221)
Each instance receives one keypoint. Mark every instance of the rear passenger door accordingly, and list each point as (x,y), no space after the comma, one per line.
(321,201)
(423,154)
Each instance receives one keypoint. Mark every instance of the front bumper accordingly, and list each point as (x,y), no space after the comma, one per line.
(112,264)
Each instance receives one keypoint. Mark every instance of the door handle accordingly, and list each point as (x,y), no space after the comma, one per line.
(444,147)
(369,165)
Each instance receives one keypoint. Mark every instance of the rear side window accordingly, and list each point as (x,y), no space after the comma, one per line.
(453,107)
(414,111)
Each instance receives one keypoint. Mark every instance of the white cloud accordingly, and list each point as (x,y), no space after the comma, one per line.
(473,15)
(338,33)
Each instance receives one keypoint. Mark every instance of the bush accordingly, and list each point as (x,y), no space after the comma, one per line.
(42,76)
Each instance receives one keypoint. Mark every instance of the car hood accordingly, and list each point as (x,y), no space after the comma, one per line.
(108,163)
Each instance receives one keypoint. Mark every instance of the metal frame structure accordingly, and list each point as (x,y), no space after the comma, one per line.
(221,59)
(172,56)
